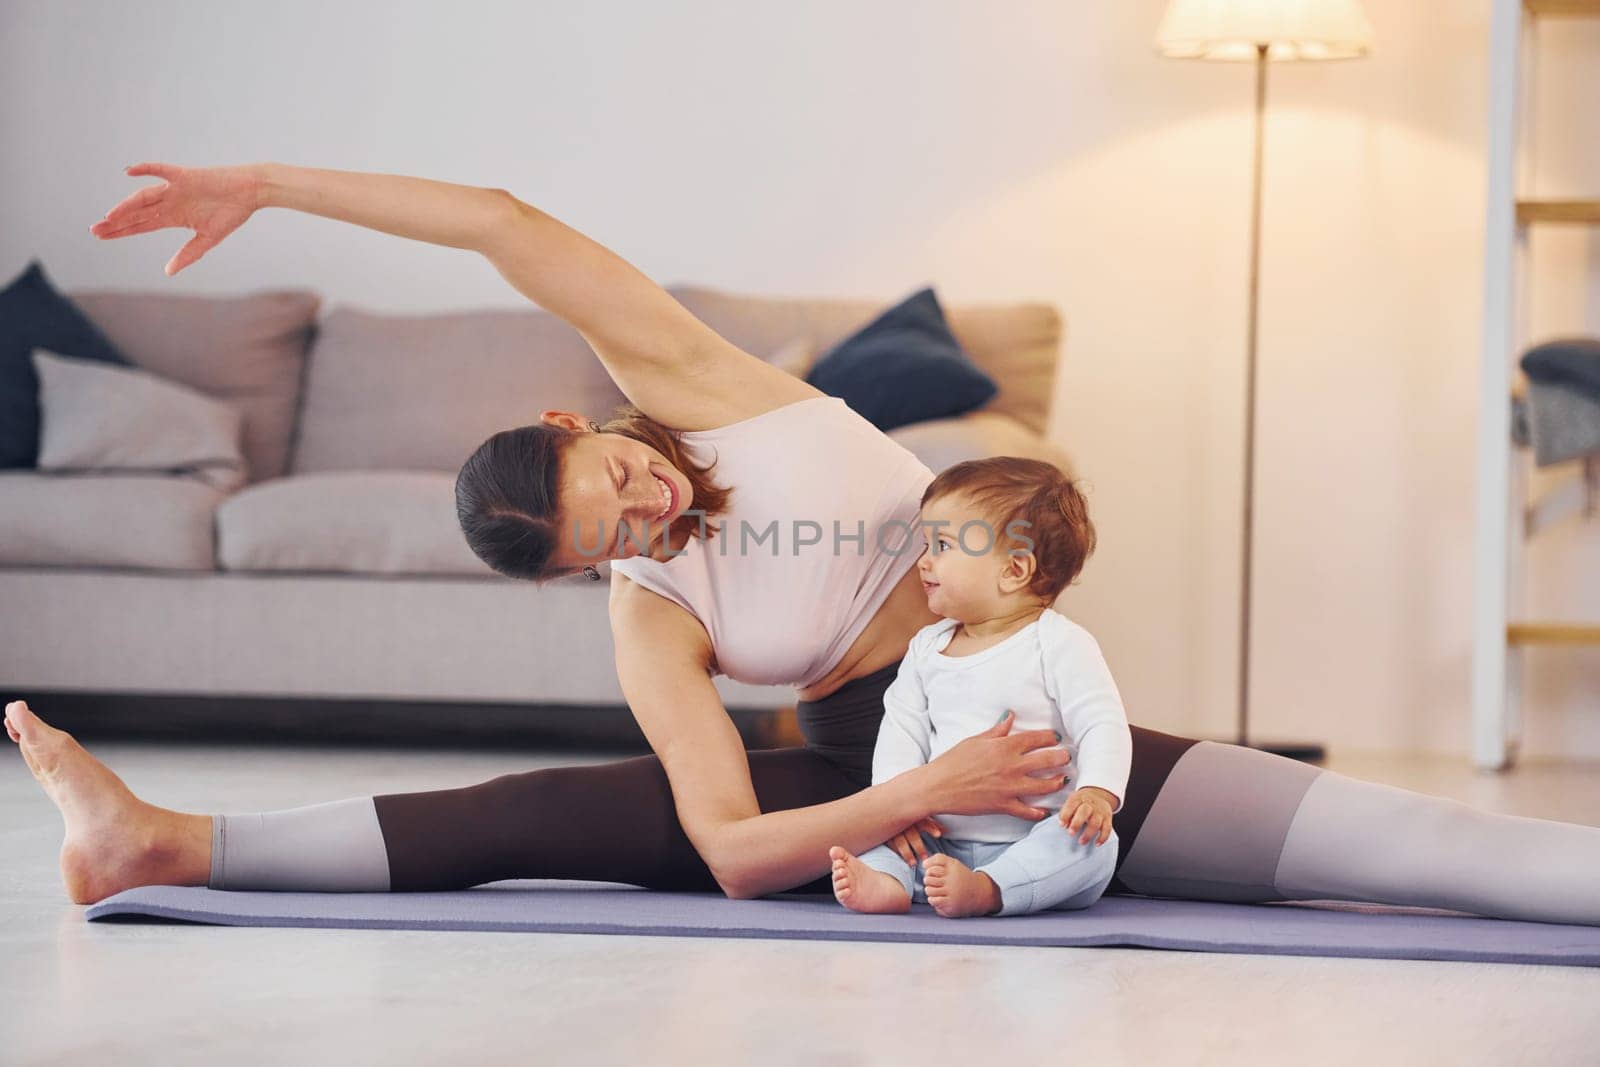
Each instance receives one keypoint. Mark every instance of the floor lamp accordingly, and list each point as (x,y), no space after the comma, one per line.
(1259,31)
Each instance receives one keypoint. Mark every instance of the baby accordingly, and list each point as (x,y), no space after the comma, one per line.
(1004,537)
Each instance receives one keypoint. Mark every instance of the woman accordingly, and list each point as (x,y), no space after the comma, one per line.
(1201,819)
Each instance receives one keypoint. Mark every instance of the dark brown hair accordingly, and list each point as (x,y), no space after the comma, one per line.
(1008,489)
(507,492)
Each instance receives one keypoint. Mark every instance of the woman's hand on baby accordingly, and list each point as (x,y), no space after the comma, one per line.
(211,201)
(988,773)
(908,843)
(1088,809)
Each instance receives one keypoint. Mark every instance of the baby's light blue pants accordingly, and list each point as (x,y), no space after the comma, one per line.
(1046,869)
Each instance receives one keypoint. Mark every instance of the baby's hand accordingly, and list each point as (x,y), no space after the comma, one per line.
(1089,809)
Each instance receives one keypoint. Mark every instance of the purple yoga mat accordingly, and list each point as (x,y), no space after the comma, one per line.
(538,906)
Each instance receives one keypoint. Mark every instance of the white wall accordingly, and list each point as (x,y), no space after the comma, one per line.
(1025,150)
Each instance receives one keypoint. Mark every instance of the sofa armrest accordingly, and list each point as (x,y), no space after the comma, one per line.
(942,443)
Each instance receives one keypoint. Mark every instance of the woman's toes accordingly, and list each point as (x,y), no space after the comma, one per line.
(20,717)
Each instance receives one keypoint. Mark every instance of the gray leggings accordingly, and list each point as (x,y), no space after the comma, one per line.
(1202,820)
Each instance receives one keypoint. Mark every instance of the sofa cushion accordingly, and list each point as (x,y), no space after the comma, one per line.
(97,417)
(79,520)
(421,392)
(903,367)
(942,443)
(795,357)
(1015,344)
(359,522)
(34,315)
(248,350)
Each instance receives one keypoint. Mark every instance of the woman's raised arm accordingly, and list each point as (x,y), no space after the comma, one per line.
(215,201)
(669,363)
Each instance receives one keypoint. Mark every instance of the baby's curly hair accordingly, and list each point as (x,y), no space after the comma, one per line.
(1010,488)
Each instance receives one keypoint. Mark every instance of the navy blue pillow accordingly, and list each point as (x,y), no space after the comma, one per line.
(33,315)
(1573,361)
(903,367)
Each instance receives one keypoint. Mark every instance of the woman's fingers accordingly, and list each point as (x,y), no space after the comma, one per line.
(137,202)
(903,847)
(1003,727)
(159,170)
(1029,785)
(119,218)
(128,227)
(1028,740)
(1024,811)
(915,847)
(198,246)
(1051,759)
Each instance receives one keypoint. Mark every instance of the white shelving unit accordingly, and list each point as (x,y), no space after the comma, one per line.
(1505,518)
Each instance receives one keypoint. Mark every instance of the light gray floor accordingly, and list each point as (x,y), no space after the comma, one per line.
(80,993)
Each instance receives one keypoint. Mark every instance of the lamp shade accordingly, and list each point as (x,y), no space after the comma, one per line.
(1290,29)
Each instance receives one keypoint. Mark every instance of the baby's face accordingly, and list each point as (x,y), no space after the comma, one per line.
(963,560)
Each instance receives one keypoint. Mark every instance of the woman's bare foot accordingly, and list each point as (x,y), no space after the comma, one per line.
(956,890)
(860,888)
(114,840)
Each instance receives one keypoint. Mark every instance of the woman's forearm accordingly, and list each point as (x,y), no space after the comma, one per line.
(783,849)
(458,216)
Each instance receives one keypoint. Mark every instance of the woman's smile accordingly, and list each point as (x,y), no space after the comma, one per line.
(669,497)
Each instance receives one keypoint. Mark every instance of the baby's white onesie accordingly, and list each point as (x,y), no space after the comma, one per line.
(1050,672)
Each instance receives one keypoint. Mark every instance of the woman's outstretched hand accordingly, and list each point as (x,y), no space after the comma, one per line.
(989,773)
(211,201)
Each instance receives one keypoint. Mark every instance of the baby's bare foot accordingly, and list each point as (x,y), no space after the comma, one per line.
(956,890)
(114,840)
(860,888)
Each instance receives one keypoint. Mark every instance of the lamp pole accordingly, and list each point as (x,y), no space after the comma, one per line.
(1296,750)
(1246,555)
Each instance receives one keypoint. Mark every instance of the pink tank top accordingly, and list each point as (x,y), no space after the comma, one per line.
(821,526)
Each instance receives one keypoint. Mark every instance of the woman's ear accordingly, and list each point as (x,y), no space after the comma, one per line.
(567,420)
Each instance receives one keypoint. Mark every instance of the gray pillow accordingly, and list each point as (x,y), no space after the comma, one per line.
(249,350)
(103,418)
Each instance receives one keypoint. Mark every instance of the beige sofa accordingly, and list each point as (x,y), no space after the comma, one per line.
(338,571)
